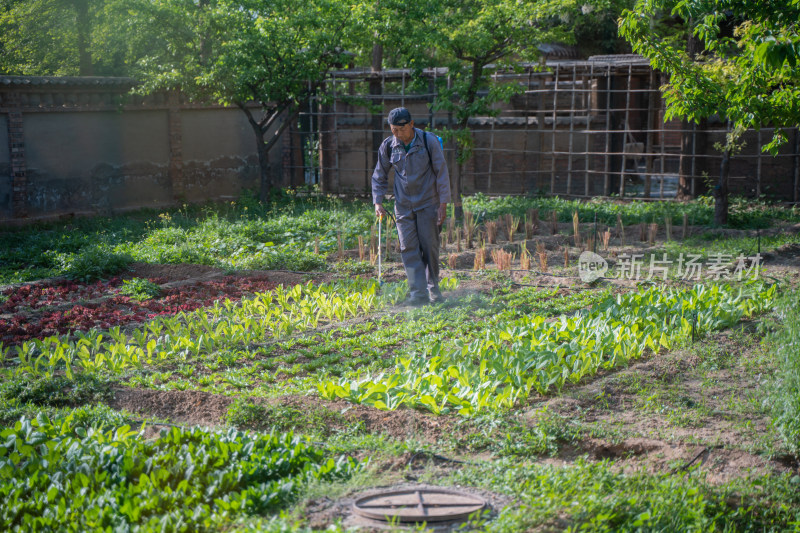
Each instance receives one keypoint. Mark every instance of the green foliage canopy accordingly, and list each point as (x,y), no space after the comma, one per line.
(471,35)
(72,38)
(748,72)
(239,52)
(48,37)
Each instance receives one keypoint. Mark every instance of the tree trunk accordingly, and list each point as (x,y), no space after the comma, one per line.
(84,37)
(262,149)
(694,46)
(721,190)
(377,57)
(263,165)
(263,146)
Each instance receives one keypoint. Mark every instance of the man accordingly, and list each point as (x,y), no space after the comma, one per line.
(422,192)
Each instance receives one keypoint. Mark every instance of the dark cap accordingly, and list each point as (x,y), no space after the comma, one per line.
(399,116)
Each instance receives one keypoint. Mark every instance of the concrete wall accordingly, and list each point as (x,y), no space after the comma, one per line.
(96,161)
(79,150)
(5,170)
(219,154)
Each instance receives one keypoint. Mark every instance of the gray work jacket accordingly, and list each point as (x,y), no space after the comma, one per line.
(416,184)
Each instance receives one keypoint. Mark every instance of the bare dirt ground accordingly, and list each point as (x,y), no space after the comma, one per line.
(175,274)
(191,408)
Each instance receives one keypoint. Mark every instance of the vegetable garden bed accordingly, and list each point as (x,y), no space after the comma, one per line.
(40,310)
(617,404)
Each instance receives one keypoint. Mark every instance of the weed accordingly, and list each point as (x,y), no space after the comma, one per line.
(597,497)
(92,262)
(353,268)
(543,437)
(56,391)
(140,289)
(245,413)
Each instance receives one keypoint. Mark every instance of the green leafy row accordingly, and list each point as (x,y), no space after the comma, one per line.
(227,324)
(531,353)
(56,477)
(744,212)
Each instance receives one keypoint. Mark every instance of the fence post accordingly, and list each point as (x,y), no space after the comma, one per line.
(327,147)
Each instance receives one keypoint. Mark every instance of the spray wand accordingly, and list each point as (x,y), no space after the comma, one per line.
(380,224)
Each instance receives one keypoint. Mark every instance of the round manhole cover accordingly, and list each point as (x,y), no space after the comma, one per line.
(418,505)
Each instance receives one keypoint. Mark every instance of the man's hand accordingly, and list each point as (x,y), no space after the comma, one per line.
(441,214)
(380,211)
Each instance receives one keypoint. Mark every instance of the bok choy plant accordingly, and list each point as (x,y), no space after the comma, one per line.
(514,358)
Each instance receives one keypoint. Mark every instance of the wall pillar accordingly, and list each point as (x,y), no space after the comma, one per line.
(19,168)
(174,129)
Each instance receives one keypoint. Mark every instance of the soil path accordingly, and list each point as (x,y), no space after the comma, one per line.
(677,410)
(191,408)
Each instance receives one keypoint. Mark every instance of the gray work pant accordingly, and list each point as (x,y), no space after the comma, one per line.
(419,248)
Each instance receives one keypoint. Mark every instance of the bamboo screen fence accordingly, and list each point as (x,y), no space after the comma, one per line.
(575,128)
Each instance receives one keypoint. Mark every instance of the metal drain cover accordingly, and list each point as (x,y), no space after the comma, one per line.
(418,505)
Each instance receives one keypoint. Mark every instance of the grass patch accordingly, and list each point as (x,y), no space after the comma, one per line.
(237,235)
(317,420)
(785,393)
(710,243)
(595,497)
(507,435)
